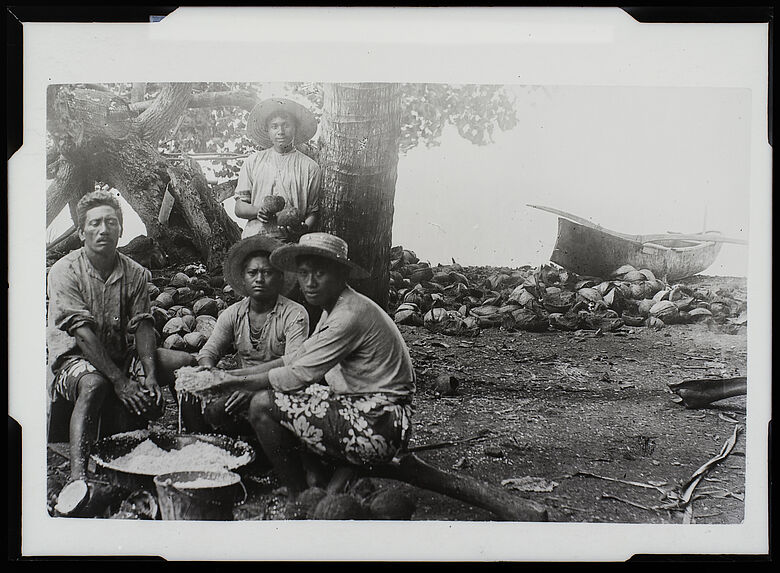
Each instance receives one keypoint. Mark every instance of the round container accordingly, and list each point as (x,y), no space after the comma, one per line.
(199,495)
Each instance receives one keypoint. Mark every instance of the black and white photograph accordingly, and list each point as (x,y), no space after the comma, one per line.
(322,280)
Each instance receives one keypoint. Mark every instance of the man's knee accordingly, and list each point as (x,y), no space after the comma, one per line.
(260,406)
(93,386)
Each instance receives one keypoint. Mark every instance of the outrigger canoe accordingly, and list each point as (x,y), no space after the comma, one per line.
(589,249)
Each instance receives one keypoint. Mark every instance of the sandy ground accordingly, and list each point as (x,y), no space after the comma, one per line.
(577,411)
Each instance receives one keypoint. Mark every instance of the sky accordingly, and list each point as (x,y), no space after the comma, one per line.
(632,159)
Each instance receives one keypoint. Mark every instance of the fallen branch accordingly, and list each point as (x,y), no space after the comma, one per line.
(412,470)
(438,445)
(628,501)
(633,483)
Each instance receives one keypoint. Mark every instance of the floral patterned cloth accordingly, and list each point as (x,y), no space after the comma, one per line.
(363,429)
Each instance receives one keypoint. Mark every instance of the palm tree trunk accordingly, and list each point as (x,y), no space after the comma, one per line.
(361,129)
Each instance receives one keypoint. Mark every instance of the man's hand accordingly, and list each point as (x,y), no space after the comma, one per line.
(264,216)
(134,396)
(237,401)
(292,233)
(151,387)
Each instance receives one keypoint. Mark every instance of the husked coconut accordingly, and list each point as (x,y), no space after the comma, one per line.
(179,280)
(288,216)
(165,300)
(176,325)
(175,342)
(395,505)
(644,306)
(339,506)
(195,340)
(205,305)
(623,270)
(273,203)
(634,277)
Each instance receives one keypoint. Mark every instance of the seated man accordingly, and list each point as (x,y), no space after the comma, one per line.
(262,327)
(97,297)
(362,416)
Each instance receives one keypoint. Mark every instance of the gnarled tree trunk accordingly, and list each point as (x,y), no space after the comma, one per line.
(100,141)
(359,158)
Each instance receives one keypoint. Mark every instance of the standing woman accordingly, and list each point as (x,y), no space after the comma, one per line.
(276,125)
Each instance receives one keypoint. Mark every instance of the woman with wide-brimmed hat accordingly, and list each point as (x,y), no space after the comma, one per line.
(263,326)
(361,415)
(279,170)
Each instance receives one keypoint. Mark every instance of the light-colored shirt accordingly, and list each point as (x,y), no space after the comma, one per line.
(285,329)
(78,296)
(294,175)
(356,348)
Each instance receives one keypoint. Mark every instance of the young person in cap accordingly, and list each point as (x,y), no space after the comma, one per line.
(362,416)
(262,327)
(276,125)
(98,298)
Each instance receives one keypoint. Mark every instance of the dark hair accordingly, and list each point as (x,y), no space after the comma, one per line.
(259,253)
(326,262)
(284,115)
(96,199)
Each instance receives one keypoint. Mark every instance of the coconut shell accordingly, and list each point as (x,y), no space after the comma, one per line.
(205,324)
(273,203)
(175,326)
(161,317)
(408,317)
(655,323)
(175,342)
(589,294)
(665,310)
(634,277)
(632,320)
(339,506)
(421,275)
(648,274)
(195,340)
(661,295)
(699,313)
(153,290)
(623,270)
(394,505)
(189,321)
(165,300)
(205,305)
(179,280)
(644,306)
(184,311)
(288,217)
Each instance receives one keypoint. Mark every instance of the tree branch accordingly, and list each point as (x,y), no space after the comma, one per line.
(69,185)
(161,116)
(244,99)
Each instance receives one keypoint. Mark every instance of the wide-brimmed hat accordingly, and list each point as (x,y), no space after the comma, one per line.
(306,123)
(233,269)
(318,244)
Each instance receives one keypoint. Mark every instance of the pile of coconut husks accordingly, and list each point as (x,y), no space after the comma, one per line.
(457,300)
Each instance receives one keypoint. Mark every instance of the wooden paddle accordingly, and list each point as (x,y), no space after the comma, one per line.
(705,237)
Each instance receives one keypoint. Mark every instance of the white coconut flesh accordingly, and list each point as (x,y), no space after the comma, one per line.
(72,496)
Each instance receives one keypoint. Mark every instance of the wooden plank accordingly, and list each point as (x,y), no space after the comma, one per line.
(166,207)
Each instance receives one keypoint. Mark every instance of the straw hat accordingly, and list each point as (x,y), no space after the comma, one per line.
(233,269)
(306,123)
(318,244)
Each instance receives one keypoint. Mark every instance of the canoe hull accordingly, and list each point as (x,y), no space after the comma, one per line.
(595,252)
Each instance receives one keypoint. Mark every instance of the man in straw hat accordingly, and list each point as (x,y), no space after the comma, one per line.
(362,416)
(276,125)
(262,327)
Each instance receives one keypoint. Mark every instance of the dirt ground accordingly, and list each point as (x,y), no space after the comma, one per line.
(569,407)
